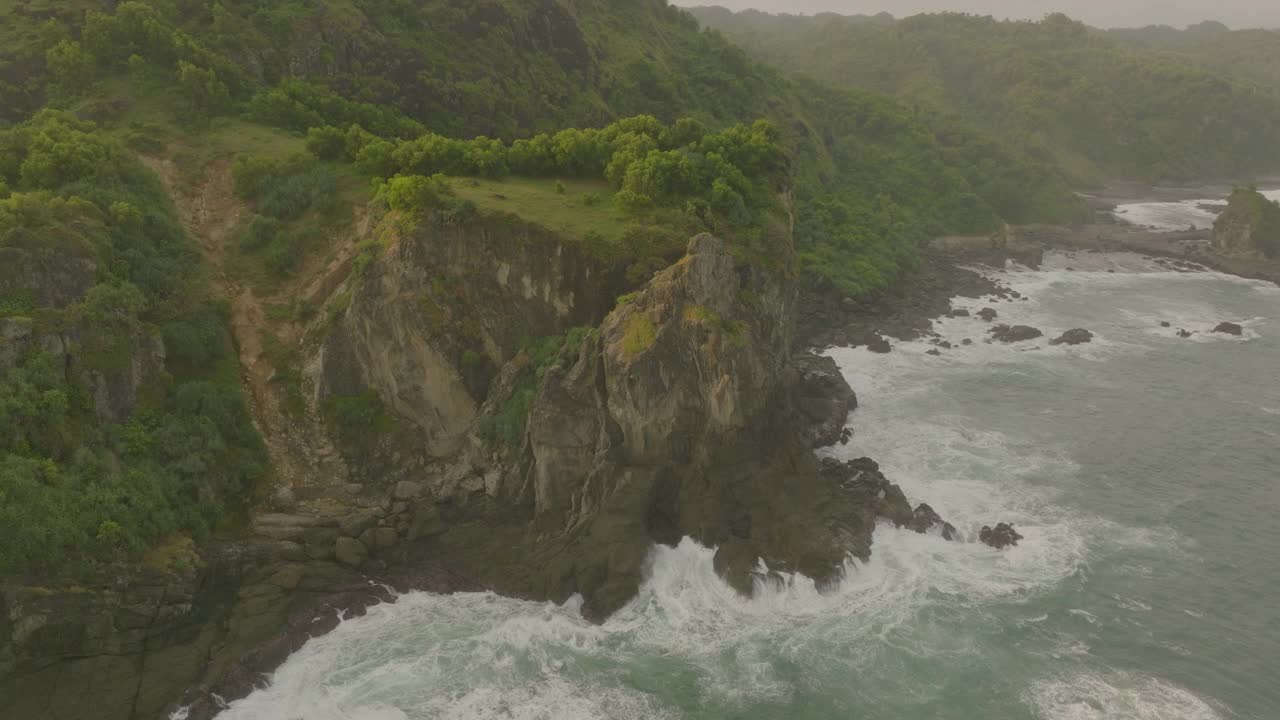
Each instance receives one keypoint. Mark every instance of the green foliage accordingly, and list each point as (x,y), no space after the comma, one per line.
(284,189)
(75,489)
(640,334)
(357,421)
(415,193)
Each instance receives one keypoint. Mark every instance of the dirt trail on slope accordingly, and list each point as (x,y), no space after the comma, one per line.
(306,464)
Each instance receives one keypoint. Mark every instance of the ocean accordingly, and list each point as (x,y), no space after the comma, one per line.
(1143,470)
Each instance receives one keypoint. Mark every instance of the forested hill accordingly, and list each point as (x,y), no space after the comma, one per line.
(1101,108)
(879,175)
(1250,54)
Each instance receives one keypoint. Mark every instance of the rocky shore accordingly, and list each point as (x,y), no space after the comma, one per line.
(693,410)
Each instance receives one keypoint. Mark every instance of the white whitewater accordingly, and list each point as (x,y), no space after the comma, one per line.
(1177,215)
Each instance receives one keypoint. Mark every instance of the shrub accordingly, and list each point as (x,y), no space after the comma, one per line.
(415,193)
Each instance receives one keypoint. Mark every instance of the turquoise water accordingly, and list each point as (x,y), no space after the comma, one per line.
(1142,470)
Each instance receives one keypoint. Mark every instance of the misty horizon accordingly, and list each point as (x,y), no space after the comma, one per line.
(1236,14)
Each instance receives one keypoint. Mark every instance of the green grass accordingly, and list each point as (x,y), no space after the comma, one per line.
(536,200)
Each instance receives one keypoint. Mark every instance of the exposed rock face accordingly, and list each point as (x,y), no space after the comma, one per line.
(1249,227)
(823,397)
(446,305)
(1229,328)
(1014,334)
(1078,336)
(1001,536)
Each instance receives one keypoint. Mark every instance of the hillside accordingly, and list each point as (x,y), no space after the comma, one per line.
(1055,88)
(1252,55)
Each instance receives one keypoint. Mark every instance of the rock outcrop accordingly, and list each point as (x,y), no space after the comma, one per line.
(1078,336)
(1249,227)
(1014,334)
(1000,537)
(432,320)
(1229,328)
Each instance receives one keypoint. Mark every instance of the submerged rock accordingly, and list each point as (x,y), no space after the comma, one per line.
(1184,333)
(1078,336)
(958,313)
(1001,536)
(1165,324)
(1229,328)
(1015,333)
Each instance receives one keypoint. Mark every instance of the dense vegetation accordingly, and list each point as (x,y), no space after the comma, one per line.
(1055,89)
(78,485)
(1247,54)
(878,176)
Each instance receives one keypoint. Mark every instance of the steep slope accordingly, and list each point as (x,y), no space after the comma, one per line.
(1054,87)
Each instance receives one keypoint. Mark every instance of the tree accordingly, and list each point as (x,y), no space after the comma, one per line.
(206,95)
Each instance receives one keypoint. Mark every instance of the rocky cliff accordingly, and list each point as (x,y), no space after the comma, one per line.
(684,412)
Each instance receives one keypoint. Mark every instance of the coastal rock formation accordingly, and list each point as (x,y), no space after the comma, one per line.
(1078,336)
(1014,334)
(1249,227)
(1001,536)
(925,519)
(823,397)
(432,320)
(988,314)
(879,345)
(1229,328)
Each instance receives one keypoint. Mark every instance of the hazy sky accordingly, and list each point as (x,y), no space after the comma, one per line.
(1103,13)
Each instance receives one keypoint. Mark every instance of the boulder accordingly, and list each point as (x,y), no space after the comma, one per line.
(879,345)
(958,313)
(988,314)
(1165,324)
(350,551)
(1014,333)
(1229,328)
(1184,333)
(925,519)
(1001,536)
(935,352)
(1078,336)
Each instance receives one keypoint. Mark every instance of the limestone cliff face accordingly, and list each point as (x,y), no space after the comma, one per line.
(444,307)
